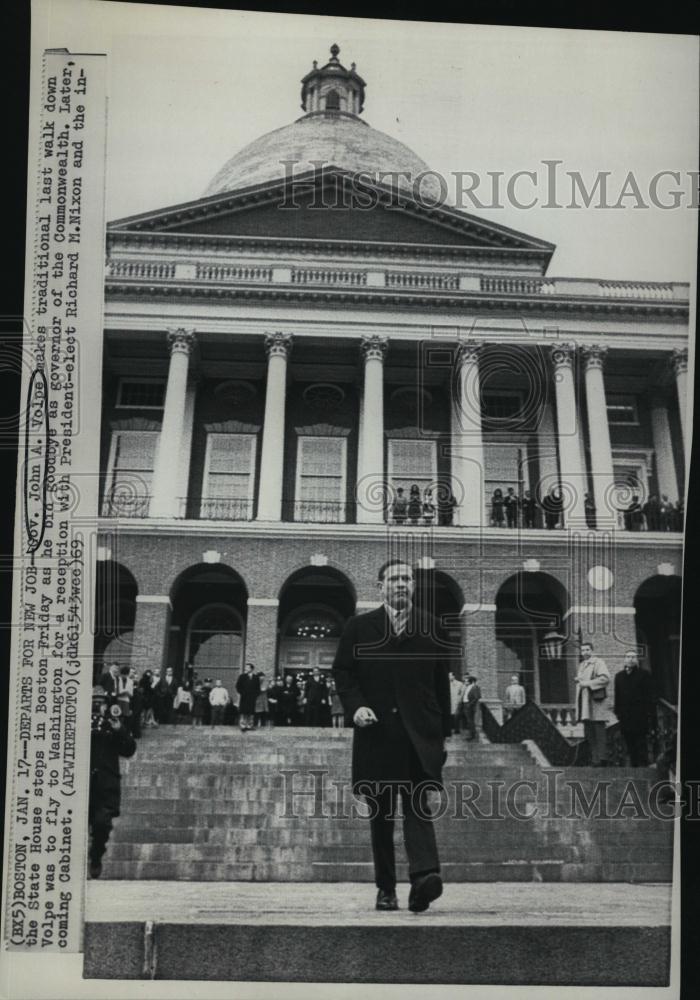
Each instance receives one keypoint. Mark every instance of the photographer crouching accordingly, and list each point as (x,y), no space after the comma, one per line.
(109,740)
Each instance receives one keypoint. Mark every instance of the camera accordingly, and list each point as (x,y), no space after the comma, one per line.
(102,722)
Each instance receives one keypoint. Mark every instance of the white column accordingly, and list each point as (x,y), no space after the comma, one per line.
(371,491)
(573,480)
(468,468)
(663,449)
(680,367)
(599,436)
(547,450)
(165,500)
(186,454)
(278,347)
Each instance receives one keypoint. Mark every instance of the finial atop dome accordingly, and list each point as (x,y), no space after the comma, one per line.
(333,88)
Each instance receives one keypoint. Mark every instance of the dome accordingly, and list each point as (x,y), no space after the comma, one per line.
(330,134)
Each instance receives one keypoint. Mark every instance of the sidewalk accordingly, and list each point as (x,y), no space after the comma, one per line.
(536,933)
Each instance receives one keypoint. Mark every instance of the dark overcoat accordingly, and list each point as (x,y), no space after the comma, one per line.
(406,674)
(634,700)
(248,687)
(106,747)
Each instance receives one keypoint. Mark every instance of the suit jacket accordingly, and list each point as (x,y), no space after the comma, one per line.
(409,673)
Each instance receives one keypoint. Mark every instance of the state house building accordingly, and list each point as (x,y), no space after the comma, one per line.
(285,352)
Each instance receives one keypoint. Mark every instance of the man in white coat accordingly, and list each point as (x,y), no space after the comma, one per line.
(594,703)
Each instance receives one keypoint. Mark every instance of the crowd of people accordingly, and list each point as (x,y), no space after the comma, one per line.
(423,506)
(511,509)
(304,698)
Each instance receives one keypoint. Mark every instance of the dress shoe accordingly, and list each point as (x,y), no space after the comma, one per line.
(423,891)
(386,901)
(95,869)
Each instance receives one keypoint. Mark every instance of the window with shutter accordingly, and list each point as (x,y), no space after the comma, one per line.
(321,479)
(130,473)
(229,475)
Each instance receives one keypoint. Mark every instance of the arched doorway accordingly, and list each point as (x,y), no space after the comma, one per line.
(115,602)
(314,606)
(657,607)
(528,606)
(438,594)
(207,633)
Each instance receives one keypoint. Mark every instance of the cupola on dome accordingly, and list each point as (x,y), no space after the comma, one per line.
(331,133)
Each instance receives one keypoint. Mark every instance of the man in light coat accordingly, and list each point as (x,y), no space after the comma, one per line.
(595,712)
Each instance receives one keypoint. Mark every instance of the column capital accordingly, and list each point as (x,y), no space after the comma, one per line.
(563,355)
(374,347)
(468,352)
(181,341)
(594,355)
(278,345)
(679,360)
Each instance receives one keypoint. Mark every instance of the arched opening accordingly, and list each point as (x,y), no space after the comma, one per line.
(528,607)
(115,602)
(438,594)
(657,607)
(207,631)
(314,606)
(332,101)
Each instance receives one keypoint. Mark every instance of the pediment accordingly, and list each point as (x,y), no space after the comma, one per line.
(331,205)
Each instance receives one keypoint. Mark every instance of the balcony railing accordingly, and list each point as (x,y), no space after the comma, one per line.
(318,511)
(124,504)
(235,271)
(215,509)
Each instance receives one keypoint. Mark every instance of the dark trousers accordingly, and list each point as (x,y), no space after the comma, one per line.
(418,831)
(102,810)
(595,733)
(636,743)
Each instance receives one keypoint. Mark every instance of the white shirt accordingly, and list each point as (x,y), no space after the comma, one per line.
(218,696)
(398,619)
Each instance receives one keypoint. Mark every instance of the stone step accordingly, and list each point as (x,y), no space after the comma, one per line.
(307,854)
(536,933)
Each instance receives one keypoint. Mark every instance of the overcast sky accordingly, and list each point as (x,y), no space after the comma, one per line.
(189,88)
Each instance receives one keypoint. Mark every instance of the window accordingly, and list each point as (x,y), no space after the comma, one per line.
(412,462)
(501,406)
(622,410)
(320,487)
(332,101)
(130,473)
(229,475)
(505,464)
(141,394)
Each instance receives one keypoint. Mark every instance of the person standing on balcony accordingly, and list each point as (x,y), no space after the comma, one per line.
(593,703)
(287,701)
(456,692)
(262,711)
(634,707)
(316,699)
(510,504)
(392,674)
(497,519)
(515,697)
(399,507)
(665,514)
(552,505)
(428,507)
(415,505)
(528,509)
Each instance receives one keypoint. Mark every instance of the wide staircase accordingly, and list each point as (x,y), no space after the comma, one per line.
(273,805)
